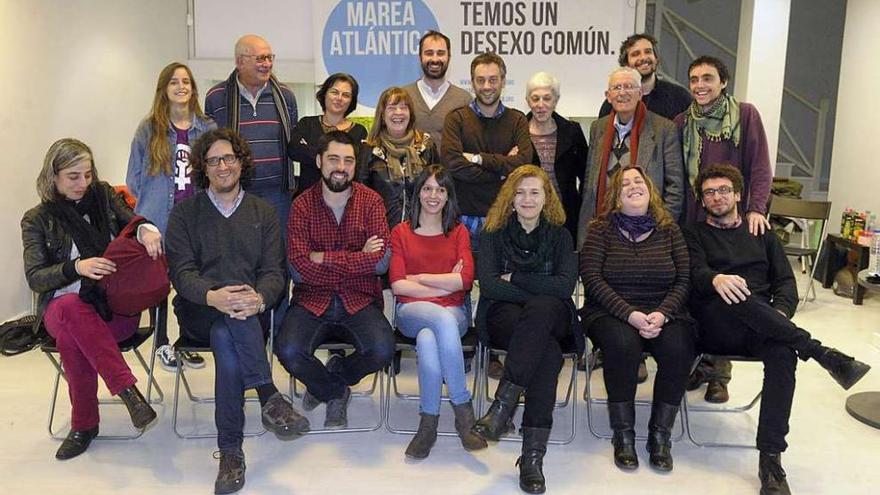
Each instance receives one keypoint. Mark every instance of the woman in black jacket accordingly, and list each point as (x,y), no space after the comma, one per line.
(395,153)
(64,238)
(527,272)
(560,145)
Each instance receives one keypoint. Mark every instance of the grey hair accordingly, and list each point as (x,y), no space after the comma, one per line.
(63,154)
(636,76)
(541,80)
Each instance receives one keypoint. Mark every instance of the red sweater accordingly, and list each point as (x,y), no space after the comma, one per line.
(412,253)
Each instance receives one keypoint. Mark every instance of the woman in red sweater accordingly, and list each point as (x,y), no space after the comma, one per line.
(431,273)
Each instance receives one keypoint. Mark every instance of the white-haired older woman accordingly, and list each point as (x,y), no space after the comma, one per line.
(559,144)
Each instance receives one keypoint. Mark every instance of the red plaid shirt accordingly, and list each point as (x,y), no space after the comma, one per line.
(346,270)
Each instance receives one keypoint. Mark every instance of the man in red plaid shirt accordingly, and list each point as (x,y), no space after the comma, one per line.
(338,244)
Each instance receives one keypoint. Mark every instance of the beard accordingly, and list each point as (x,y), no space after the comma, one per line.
(427,71)
(720,212)
(488,102)
(337,185)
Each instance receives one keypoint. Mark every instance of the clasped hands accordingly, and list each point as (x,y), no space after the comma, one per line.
(649,325)
(237,301)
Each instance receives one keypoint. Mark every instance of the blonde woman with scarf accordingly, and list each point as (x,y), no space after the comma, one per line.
(394,153)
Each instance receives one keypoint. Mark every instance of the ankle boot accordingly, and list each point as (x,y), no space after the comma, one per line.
(142,414)
(531,462)
(420,445)
(772,475)
(622,418)
(659,435)
(496,421)
(845,370)
(464,422)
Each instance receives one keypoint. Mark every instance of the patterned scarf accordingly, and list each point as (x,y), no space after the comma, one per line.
(403,154)
(608,140)
(718,123)
(634,225)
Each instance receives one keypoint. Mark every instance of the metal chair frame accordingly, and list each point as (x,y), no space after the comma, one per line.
(180,376)
(141,335)
(687,409)
(801,211)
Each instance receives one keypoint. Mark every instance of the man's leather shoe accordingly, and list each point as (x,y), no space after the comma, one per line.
(845,370)
(716,392)
(772,475)
(76,443)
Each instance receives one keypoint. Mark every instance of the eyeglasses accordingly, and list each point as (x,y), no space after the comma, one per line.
(723,190)
(229,160)
(261,59)
(619,88)
(336,93)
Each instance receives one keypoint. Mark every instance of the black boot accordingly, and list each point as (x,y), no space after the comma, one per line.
(420,445)
(659,435)
(76,443)
(845,370)
(464,423)
(531,462)
(772,475)
(142,413)
(496,421)
(622,417)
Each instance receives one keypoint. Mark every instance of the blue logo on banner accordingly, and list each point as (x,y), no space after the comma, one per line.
(377,42)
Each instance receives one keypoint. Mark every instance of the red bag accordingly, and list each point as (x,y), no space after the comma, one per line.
(139,282)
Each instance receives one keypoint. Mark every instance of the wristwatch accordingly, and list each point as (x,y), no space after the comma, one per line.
(262,308)
(477,158)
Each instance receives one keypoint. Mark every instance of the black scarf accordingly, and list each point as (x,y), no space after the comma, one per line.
(527,251)
(634,225)
(90,236)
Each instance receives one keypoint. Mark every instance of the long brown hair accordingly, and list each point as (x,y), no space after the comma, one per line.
(160,118)
(612,199)
(502,208)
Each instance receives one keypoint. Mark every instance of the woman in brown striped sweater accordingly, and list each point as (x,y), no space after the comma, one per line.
(634,265)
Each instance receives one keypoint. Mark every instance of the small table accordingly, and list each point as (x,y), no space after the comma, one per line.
(865,406)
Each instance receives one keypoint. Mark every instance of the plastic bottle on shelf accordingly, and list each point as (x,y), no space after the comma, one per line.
(874,258)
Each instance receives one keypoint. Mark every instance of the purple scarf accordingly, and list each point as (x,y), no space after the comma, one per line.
(633,225)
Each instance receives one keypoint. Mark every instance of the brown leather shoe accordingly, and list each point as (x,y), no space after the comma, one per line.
(716,392)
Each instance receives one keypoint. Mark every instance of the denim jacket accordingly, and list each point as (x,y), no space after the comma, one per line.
(155,193)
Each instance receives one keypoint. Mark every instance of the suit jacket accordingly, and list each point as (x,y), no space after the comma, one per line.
(659,154)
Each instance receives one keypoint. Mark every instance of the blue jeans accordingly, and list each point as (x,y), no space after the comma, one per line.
(438,331)
(302,333)
(281,201)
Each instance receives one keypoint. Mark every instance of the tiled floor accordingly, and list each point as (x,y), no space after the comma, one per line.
(829,452)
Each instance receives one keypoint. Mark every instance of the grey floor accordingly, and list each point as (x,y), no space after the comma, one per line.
(829,451)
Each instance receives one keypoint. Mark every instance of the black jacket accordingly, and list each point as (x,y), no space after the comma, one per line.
(396,194)
(47,264)
(570,166)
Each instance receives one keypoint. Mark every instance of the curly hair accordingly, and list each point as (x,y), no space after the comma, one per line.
(611,203)
(623,53)
(502,208)
(239,146)
(718,171)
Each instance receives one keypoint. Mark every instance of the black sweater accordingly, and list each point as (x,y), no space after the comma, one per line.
(760,260)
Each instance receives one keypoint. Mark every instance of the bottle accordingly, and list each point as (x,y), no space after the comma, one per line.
(846,232)
(859,224)
(874,259)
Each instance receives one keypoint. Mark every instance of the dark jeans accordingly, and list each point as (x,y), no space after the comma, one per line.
(673,350)
(754,328)
(240,363)
(302,333)
(531,334)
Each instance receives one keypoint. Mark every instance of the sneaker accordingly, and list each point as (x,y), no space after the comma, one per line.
(165,353)
(845,370)
(230,476)
(282,419)
(192,359)
(336,416)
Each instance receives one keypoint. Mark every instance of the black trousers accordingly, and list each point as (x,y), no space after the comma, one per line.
(531,334)
(673,350)
(754,328)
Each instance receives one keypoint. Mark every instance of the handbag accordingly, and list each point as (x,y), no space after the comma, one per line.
(139,282)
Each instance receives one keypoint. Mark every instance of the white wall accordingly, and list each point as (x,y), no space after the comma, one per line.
(80,68)
(855,173)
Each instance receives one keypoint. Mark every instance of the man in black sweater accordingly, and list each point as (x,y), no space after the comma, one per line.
(743,294)
(227,265)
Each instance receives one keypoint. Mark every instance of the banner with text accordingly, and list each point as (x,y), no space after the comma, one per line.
(377,41)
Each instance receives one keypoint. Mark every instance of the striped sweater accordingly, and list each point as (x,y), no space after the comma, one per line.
(621,276)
